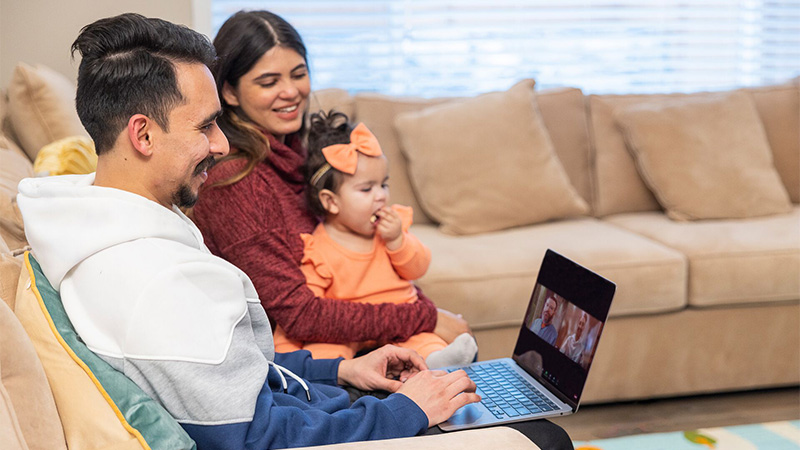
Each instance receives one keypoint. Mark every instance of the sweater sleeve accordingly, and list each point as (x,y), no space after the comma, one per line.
(250,229)
(412,258)
(283,421)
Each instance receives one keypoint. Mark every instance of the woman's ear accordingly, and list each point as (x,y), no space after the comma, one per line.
(229,94)
(329,201)
(140,134)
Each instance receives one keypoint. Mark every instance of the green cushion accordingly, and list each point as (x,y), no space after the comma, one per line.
(158,428)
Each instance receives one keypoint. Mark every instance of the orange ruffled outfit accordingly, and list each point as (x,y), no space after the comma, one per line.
(379,276)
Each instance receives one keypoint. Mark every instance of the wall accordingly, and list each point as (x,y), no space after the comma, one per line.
(41,31)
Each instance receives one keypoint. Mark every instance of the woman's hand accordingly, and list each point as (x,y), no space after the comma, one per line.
(449,326)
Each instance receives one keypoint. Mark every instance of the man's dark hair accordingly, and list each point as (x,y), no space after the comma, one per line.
(128,67)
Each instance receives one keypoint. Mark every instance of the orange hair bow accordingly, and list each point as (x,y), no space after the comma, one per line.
(344,157)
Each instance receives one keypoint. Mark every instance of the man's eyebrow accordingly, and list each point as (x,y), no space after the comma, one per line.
(275,74)
(212,117)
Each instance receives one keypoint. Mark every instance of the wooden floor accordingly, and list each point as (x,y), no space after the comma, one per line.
(686,413)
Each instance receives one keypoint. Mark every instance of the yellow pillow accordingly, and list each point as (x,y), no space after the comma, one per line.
(72,155)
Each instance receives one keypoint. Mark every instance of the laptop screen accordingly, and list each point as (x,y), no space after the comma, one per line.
(562,326)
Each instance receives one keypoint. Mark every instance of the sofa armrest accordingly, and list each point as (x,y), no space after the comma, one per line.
(489,438)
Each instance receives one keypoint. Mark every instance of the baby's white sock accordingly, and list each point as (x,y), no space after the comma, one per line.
(460,352)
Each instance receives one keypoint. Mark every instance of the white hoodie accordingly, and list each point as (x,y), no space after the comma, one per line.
(141,288)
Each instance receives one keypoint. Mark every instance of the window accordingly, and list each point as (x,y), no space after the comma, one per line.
(440,48)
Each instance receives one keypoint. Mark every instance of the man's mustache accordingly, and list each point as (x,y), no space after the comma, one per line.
(205,165)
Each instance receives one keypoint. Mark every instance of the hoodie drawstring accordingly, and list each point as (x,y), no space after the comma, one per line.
(282,370)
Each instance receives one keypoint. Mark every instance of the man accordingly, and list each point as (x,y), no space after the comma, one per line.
(543,326)
(145,294)
(574,344)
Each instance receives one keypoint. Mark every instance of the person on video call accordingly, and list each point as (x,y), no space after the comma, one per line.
(543,326)
(575,344)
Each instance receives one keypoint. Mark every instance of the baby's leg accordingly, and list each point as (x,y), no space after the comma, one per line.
(438,354)
(331,351)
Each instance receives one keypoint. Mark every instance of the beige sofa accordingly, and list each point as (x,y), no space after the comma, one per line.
(702,306)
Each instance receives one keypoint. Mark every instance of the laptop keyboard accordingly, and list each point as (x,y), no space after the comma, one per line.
(506,393)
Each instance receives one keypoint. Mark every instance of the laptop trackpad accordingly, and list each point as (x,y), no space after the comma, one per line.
(466,415)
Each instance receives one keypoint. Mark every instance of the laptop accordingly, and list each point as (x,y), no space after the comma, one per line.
(558,339)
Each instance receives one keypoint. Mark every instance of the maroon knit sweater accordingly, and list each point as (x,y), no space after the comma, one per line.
(256,224)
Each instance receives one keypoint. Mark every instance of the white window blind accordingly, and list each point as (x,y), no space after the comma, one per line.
(441,48)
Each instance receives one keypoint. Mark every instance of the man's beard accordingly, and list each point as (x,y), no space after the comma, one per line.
(183,196)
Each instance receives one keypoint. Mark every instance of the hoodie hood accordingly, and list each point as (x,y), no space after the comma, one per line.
(58,211)
(135,278)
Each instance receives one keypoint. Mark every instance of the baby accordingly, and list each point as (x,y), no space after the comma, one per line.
(362,251)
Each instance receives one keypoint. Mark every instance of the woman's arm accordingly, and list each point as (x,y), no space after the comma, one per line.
(251,228)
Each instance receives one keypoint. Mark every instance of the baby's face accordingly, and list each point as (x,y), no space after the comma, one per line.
(362,194)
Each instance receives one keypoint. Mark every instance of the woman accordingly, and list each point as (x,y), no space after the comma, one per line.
(253,210)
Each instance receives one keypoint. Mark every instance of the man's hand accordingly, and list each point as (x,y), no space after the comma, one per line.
(386,369)
(449,326)
(440,394)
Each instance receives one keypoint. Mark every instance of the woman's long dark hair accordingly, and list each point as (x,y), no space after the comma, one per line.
(240,43)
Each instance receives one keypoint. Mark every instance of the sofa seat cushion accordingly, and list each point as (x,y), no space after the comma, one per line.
(489,277)
(730,261)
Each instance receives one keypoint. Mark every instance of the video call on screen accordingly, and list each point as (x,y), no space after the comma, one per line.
(560,332)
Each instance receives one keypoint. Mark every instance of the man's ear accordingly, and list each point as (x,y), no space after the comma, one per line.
(329,201)
(139,133)
(229,94)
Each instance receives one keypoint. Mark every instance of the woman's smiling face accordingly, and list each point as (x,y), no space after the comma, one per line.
(274,92)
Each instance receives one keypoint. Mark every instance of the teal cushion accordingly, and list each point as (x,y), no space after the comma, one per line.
(158,428)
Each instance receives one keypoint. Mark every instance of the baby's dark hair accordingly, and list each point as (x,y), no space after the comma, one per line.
(324,129)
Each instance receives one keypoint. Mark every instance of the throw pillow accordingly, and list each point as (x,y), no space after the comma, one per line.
(99,406)
(41,106)
(487,163)
(72,155)
(705,158)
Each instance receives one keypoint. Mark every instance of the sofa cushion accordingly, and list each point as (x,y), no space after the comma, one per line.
(562,109)
(10,268)
(99,407)
(24,381)
(378,113)
(779,108)
(617,184)
(68,156)
(564,113)
(11,230)
(469,273)
(13,439)
(332,98)
(730,261)
(41,105)
(487,163)
(705,157)
(14,166)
